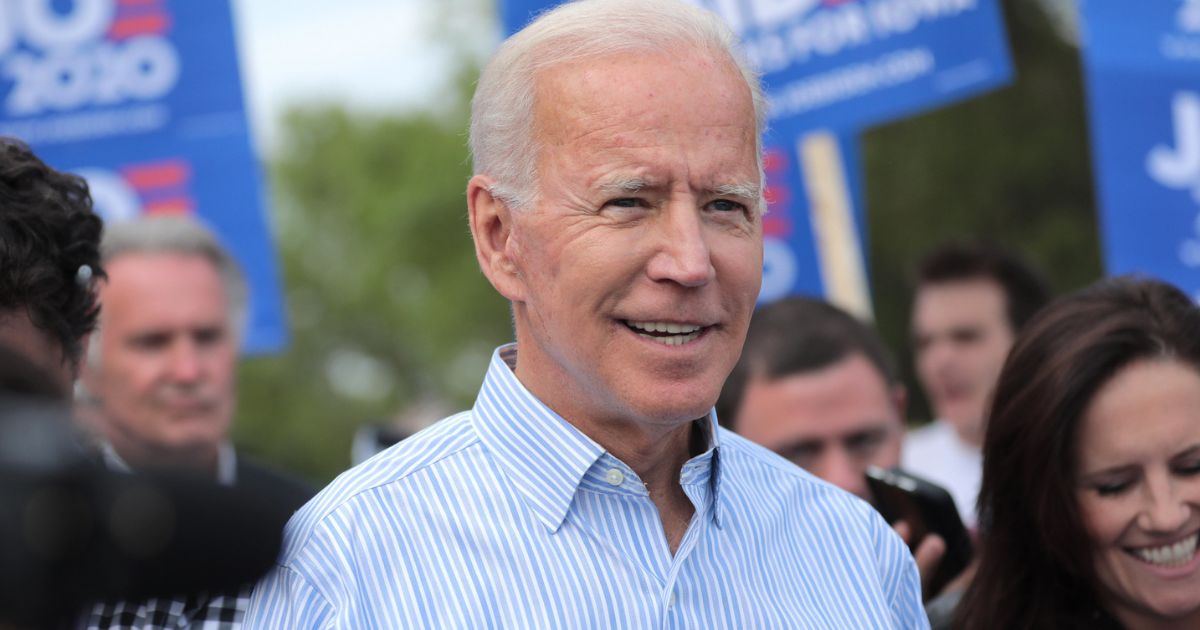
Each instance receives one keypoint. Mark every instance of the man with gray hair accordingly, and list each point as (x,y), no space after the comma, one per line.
(617,203)
(158,385)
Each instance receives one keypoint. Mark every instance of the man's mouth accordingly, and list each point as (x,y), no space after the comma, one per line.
(1172,555)
(666,333)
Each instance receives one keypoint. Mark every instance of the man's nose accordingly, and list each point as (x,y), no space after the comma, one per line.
(185,362)
(683,254)
(939,356)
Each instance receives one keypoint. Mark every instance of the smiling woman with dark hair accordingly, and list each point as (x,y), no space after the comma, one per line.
(1090,503)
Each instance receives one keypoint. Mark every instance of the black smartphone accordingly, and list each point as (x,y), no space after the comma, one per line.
(927,508)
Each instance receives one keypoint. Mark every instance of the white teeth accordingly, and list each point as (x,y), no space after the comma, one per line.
(665,327)
(677,334)
(673,340)
(1169,555)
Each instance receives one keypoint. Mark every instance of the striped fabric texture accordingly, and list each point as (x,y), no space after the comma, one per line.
(506,516)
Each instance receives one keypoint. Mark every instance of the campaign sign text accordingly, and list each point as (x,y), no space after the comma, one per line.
(848,64)
(144,99)
(1143,76)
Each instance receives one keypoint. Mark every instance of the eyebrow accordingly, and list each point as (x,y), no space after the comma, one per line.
(625,185)
(745,190)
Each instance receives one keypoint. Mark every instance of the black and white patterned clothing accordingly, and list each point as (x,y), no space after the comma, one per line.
(200,611)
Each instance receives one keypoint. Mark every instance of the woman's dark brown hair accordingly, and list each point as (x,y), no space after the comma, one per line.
(1036,567)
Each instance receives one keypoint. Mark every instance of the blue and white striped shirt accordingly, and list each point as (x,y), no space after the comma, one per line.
(507,516)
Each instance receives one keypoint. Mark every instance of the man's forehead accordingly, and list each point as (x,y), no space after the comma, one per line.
(967,302)
(586,89)
(142,285)
(851,387)
(150,267)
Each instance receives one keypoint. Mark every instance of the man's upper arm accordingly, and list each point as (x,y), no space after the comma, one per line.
(285,599)
(898,576)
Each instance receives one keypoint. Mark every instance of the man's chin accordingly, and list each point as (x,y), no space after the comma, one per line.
(185,450)
(667,412)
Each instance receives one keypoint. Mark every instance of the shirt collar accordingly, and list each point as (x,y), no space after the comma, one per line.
(545,457)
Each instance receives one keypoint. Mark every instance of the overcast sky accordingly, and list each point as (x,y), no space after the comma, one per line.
(369,54)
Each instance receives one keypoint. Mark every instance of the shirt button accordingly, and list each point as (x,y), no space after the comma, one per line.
(671,600)
(614,477)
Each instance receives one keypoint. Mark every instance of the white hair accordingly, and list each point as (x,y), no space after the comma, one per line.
(503,143)
(173,234)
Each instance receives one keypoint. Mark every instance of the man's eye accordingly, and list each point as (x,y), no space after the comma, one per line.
(149,342)
(725,205)
(625,202)
(802,455)
(967,335)
(865,444)
(207,336)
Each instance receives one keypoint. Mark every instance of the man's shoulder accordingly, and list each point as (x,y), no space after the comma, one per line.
(754,456)
(285,489)
(755,467)
(419,453)
(836,526)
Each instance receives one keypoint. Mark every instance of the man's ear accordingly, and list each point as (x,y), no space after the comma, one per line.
(492,229)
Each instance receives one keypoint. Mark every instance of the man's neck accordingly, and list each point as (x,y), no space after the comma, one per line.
(657,460)
(969,433)
(202,460)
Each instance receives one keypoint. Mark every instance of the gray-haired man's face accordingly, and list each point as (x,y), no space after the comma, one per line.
(164,376)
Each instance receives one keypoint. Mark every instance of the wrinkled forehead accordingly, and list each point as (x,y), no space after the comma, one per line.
(569,92)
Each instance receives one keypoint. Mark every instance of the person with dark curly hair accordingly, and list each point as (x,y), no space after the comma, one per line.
(49,259)
(1090,503)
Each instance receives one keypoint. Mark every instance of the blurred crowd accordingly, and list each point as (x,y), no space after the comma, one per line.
(1058,484)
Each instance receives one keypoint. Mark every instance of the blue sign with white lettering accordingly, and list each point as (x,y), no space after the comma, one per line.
(1143,74)
(144,99)
(849,64)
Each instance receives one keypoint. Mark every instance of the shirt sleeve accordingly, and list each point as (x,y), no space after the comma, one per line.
(899,576)
(284,599)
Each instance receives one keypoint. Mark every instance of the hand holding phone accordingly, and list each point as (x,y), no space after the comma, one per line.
(923,508)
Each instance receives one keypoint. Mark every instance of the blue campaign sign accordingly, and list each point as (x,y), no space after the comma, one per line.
(1143,75)
(144,98)
(848,64)
(814,226)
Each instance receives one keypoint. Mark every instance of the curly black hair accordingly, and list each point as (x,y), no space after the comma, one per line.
(47,233)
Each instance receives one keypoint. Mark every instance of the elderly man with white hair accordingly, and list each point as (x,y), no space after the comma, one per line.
(617,203)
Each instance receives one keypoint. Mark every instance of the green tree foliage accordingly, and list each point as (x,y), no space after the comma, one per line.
(1011,166)
(386,302)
